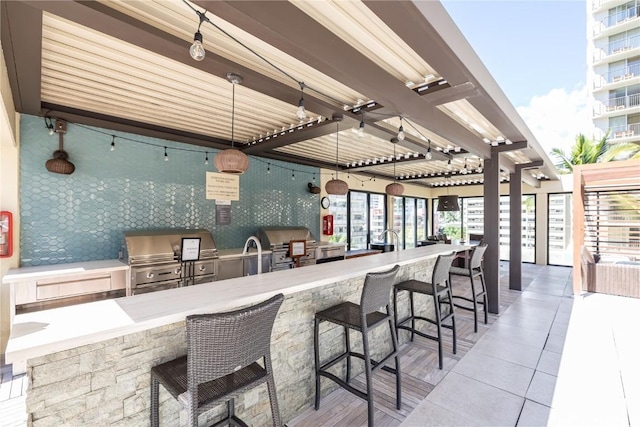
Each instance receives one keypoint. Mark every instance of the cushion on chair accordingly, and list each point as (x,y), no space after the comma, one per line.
(458,271)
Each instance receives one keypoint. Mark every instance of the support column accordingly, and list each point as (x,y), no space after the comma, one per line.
(515,230)
(492,231)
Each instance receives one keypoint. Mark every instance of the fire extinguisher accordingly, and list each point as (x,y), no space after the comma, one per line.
(6,234)
(327,225)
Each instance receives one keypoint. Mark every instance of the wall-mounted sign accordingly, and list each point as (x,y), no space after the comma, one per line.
(190,249)
(223,214)
(222,186)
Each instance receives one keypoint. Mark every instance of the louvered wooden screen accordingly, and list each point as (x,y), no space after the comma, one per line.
(612,223)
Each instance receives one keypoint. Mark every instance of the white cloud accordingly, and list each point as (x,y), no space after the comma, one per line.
(557,117)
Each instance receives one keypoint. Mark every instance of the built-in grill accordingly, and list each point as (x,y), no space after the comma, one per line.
(154,257)
(330,251)
(277,239)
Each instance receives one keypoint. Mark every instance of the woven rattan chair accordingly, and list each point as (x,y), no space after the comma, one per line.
(363,317)
(440,289)
(473,270)
(223,350)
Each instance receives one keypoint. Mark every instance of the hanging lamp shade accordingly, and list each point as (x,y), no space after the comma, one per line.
(448,203)
(394,189)
(335,185)
(232,160)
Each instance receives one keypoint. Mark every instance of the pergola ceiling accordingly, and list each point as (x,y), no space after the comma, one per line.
(124,65)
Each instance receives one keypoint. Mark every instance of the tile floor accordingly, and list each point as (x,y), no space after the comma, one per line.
(547,359)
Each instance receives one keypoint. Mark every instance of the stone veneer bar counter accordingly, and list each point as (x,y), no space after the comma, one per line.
(89,364)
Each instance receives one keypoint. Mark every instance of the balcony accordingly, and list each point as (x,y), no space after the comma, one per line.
(618,77)
(617,22)
(617,50)
(615,106)
(621,133)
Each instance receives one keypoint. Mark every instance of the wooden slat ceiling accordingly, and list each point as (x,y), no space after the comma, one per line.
(125,65)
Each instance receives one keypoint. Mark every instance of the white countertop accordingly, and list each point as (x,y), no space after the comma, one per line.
(48,331)
(60,270)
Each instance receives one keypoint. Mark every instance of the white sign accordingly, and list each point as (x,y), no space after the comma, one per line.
(190,249)
(222,186)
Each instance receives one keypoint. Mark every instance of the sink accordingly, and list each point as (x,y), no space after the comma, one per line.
(382,246)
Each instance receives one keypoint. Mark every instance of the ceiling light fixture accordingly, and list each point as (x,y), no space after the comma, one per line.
(429,156)
(301,113)
(335,185)
(232,160)
(400,131)
(196,50)
(464,169)
(449,166)
(394,189)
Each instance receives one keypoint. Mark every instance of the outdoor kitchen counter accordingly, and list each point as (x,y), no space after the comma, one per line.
(138,331)
(62,270)
(237,252)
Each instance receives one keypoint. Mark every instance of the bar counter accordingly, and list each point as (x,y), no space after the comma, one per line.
(90,363)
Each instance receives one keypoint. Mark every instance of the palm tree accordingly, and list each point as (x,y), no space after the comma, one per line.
(584,151)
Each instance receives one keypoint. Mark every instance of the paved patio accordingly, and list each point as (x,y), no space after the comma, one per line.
(547,359)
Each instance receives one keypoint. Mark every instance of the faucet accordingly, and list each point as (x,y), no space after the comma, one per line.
(258,246)
(388,230)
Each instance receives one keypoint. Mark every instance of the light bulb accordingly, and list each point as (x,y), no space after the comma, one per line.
(449,167)
(206,159)
(113,146)
(197,50)
(400,133)
(361,130)
(301,113)
(166,156)
(51,131)
(428,156)
(268,168)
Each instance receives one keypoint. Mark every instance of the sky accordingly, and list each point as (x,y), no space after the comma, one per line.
(536,51)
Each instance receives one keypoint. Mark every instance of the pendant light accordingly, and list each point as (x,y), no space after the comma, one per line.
(232,160)
(448,203)
(335,185)
(394,189)
(429,156)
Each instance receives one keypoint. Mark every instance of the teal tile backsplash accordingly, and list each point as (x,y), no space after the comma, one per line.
(81,217)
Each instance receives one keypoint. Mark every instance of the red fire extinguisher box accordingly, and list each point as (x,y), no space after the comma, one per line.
(327,225)
(6,234)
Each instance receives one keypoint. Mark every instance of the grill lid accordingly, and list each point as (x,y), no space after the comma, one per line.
(271,237)
(164,245)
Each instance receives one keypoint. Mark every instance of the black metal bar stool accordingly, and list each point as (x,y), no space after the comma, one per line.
(440,289)
(376,293)
(473,270)
(223,350)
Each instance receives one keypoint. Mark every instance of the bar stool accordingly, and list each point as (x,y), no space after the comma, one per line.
(440,289)
(375,294)
(223,350)
(473,270)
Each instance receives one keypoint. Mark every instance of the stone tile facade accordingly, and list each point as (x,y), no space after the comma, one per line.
(108,383)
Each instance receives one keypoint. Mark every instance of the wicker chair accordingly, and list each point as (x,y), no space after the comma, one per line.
(473,270)
(375,294)
(223,350)
(440,289)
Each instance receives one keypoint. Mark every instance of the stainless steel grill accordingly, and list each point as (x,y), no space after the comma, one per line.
(277,240)
(154,258)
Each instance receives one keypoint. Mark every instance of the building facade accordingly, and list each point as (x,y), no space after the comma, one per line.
(613,78)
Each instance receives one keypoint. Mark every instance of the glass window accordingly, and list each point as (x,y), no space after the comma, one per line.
(378,217)
(449,223)
(338,209)
(359,220)
(560,227)
(528,228)
(421,219)
(409,222)
(472,218)
(398,218)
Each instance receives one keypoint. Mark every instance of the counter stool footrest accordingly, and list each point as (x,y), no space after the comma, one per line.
(345,385)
